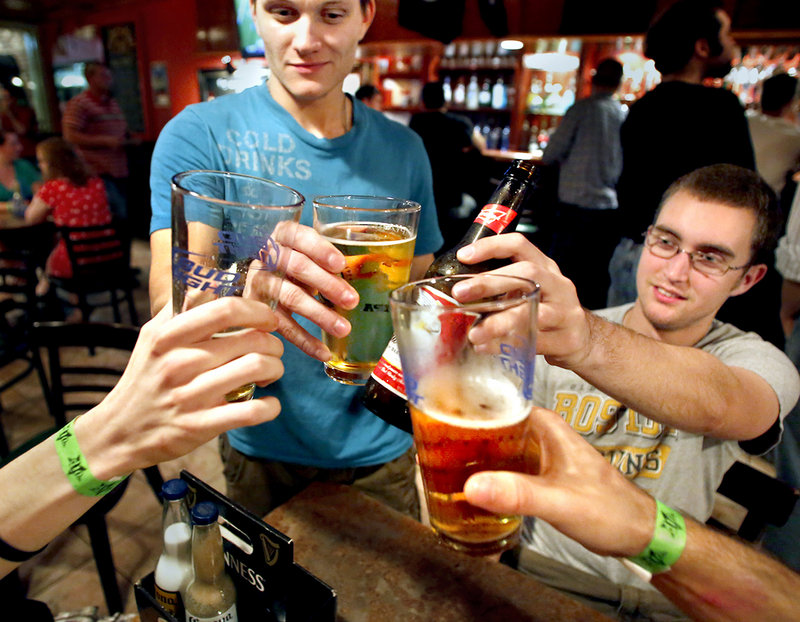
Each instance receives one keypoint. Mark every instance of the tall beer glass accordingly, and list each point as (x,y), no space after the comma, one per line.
(231,236)
(469,397)
(377,237)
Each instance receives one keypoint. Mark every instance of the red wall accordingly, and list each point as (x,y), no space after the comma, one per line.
(166,31)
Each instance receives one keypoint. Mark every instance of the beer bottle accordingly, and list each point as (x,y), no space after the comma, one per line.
(174,567)
(211,596)
(384,394)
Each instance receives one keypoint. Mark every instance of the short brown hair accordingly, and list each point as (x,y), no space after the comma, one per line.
(736,186)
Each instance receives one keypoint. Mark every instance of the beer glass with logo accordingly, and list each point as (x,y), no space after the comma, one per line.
(467,344)
(377,237)
(231,236)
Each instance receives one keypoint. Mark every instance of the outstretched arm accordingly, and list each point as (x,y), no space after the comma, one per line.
(579,493)
(681,387)
(187,374)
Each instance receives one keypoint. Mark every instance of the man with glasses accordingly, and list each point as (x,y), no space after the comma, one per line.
(660,387)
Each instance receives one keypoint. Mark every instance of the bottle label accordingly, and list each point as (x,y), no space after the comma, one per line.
(496,217)
(169,601)
(228,616)
(389,371)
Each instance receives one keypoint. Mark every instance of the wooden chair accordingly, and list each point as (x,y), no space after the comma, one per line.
(18,310)
(768,501)
(77,382)
(101,266)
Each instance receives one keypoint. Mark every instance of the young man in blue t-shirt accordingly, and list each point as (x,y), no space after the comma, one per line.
(302,130)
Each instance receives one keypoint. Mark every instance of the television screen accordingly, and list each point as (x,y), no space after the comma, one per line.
(249,41)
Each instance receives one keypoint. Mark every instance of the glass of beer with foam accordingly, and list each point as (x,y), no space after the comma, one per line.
(232,235)
(376,235)
(467,345)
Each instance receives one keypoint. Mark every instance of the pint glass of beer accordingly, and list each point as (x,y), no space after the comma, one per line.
(231,236)
(468,345)
(376,235)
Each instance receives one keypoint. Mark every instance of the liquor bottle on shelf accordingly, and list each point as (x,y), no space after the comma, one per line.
(211,596)
(505,138)
(485,94)
(499,97)
(495,135)
(459,93)
(447,91)
(384,394)
(472,93)
(174,567)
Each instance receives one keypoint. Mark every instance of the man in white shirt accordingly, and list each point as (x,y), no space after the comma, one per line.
(775,132)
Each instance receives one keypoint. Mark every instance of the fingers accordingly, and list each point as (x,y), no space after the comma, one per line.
(512,246)
(311,244)
(210,387)
(300,337)
(316,263)
(504,492)
(200,323)
(230,351)
(214,421)
(295,299)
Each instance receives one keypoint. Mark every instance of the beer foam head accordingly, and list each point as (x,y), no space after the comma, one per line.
(366,233)
(473,401)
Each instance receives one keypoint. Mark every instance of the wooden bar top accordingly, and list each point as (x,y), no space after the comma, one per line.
(385,566)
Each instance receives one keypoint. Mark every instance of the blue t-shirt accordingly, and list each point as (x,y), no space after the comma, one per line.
(322,423)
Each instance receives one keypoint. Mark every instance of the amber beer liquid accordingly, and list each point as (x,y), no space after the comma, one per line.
(469,425)
(378,260)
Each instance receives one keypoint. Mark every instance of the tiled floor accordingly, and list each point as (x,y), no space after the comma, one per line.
(64,575)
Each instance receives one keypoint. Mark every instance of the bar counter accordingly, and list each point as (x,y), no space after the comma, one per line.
(385,566)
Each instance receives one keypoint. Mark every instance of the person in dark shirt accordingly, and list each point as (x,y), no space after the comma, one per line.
(679,126)
(455,155)
(371,96)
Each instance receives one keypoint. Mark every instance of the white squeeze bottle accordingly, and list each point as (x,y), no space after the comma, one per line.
(174,568)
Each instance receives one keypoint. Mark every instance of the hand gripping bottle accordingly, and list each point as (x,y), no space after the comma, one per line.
(384,393)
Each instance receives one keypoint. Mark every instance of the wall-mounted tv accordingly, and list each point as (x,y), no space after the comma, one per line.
(249,41)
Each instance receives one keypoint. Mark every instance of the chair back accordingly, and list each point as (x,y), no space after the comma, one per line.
(18,311)
(95,250)
(768,500)
(18,279)
(100,256)
(84,362)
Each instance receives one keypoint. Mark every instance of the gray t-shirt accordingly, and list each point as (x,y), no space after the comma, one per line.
(681,469)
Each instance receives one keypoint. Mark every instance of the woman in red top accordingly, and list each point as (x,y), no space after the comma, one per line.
(70,193)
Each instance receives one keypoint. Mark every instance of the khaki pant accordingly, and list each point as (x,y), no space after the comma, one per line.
(261,485)
(621,602)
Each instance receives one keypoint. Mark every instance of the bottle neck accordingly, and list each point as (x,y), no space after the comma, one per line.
(501,213)
(175,511)
(208,559)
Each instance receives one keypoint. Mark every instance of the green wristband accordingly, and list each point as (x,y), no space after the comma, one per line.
(75,467)
(669,539)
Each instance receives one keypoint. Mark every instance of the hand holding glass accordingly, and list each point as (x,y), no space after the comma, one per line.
(469,402)
(376,235)
(231,236)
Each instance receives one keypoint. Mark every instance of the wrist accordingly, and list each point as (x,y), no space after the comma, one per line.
(581,343)
(105,454)
(76,467)
(666,544)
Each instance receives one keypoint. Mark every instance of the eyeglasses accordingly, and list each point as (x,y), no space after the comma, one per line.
(665,246)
